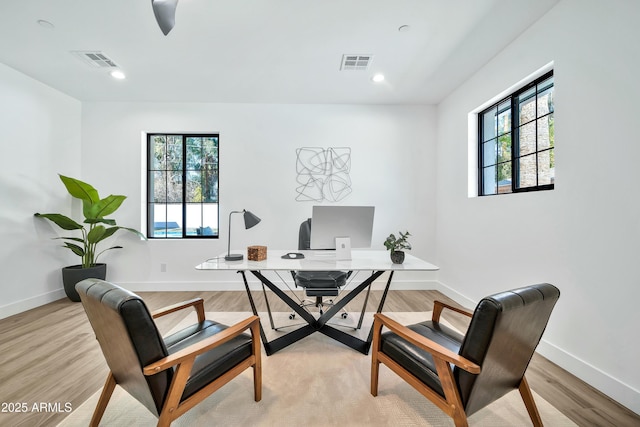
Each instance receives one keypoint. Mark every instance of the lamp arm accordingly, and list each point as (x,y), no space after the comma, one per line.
(229,235)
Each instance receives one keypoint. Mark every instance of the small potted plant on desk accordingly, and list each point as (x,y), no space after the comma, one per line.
(397,245)
(92,231)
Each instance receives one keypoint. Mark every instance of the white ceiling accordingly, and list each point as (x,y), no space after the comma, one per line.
(262,51)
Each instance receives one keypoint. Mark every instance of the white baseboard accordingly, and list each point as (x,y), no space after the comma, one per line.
(29,303)
(622,393)
(617,390)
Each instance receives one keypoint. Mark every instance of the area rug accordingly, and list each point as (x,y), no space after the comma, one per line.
(316,382)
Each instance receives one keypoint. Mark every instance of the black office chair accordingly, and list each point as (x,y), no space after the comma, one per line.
(167,375)
(317,284)
(463,374)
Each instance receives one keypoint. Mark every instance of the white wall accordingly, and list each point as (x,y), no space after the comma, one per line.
(40,138)
(584,236)
(393,168)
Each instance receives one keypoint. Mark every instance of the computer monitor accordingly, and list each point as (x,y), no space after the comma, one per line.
(329,222)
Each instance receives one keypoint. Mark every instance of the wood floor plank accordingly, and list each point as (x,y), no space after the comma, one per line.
(50,356)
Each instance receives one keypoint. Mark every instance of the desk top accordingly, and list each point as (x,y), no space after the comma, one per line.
(321,260)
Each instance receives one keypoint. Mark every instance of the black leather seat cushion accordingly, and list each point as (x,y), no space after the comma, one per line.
(212,364)
(321,283)
(414,359)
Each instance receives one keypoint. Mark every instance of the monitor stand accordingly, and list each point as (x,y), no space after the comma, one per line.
(343,248)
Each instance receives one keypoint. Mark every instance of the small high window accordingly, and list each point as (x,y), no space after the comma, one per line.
(516,141)
(182,186)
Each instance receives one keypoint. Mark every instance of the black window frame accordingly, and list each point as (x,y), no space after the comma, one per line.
(514,100)
(149,194)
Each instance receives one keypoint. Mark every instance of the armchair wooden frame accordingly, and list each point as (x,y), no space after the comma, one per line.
(443,358)
(183,361)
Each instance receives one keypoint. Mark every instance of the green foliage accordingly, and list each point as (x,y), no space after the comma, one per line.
(97,228)
(397,244)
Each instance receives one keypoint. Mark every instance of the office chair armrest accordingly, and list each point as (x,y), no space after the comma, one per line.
(435,349)
(207,344)
(438,306)
(197,303)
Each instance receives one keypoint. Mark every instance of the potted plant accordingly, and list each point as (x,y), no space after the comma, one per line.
(93,230)
(397,245)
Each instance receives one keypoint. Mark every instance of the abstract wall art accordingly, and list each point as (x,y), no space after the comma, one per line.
(322,174)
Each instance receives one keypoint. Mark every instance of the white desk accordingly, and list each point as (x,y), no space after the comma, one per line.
(375,261)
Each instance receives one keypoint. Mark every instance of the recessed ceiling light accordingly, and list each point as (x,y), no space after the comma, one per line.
(378,78)
(45,24)
(404,28)
(117,74)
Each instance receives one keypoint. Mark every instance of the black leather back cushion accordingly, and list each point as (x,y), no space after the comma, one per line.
(502,337)
(304,235)
(129,339)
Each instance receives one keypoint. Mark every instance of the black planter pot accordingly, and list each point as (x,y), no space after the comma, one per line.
(397,257)
(75,273)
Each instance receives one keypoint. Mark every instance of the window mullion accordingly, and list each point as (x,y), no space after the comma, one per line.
(184,186)
(515,146)
(537,146)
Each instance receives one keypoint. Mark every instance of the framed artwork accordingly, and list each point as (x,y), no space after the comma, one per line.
(322,174)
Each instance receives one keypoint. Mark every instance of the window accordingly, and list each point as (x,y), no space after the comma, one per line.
(182,186)
(516,141)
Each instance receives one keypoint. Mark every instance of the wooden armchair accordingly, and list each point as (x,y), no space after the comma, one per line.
(463,374)
(167,375)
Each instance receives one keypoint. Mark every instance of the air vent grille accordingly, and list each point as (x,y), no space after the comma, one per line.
(95,59)
(355,62)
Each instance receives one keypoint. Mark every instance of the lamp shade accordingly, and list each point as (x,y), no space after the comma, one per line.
(250,219)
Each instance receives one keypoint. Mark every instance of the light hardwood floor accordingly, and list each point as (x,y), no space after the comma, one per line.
(49,356)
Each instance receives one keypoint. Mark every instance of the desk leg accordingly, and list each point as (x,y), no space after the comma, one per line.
(266,300)
(380,306)
(293,336)
(318,325)
(263,336)
(347,298)
(364,307)
(338,335)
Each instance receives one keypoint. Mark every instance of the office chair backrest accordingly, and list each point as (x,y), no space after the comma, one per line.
(129,339)
(502,337)
(304,236)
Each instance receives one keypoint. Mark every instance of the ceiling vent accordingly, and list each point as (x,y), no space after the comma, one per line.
(355,62)
(95,59)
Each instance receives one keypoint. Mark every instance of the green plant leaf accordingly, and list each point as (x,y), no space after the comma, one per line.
(75,249)
(86,208)
(75,239)
(80,189)
(110,231)
(96,234)
(61,221)
(106,206)
(100,221)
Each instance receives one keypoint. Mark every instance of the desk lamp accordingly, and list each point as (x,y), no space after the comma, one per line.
(249,221)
